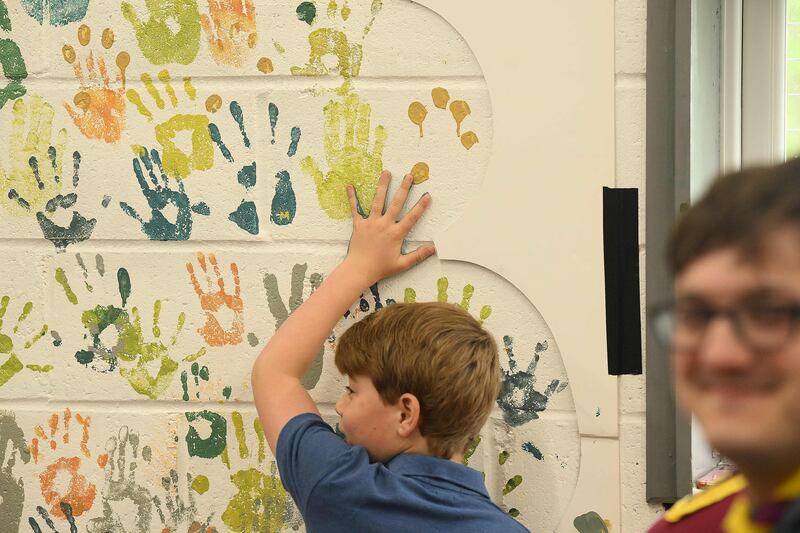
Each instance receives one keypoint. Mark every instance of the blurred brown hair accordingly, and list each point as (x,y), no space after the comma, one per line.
(739,211)
(439,353)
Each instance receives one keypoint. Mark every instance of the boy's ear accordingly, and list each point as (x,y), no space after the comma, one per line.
(408,405)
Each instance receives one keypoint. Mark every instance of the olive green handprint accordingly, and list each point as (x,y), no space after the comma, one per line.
(261,503)
(9,348)
(326,42)
(350,160)
(442,296)
(159,43)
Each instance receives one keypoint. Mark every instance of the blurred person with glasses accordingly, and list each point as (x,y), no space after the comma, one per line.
(734,334)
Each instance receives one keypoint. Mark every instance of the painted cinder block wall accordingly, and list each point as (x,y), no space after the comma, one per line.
(135,300)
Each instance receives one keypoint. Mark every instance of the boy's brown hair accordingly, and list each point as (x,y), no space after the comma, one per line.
(739,210)
(439,353)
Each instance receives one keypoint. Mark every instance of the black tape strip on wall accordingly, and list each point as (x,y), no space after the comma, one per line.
(621,257)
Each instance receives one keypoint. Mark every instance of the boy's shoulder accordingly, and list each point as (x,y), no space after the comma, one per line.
(337,488)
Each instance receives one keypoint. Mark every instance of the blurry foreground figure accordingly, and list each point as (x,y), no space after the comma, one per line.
(735,342)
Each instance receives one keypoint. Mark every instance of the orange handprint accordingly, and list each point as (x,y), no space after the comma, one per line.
(80,492)
(102,107)
(231,30)
(212,301)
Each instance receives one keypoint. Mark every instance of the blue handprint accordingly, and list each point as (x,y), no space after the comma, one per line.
(59,12)
(284,203)
(246,215)
(158,196)
(518,399)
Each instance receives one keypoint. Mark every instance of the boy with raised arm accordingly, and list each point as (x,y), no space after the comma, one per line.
(422,379)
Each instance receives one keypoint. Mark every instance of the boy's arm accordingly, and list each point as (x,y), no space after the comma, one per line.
(374,254)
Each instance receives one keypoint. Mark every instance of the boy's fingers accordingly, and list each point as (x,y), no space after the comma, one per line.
(413,216)
(417,256)
(351,197)
(400,196)
(380,194)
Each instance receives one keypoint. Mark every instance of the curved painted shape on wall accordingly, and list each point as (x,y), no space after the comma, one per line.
(549,65)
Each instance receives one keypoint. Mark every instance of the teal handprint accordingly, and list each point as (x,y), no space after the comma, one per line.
(350,159)
(246,215)
(58,12)
(159,43)
(519,401)
(159,195)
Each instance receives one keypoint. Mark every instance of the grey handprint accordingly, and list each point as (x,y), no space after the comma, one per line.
(121,486)
(177,512)
(80,228)
(12,488)
(518,399)
(280,312)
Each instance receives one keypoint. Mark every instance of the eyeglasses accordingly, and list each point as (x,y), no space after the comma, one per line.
(762,328)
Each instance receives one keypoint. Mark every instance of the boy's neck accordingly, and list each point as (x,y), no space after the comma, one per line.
(420,446)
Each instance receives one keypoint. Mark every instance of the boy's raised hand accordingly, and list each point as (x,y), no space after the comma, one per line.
(375,245)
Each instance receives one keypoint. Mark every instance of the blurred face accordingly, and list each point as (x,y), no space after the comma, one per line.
(746,399)
(367,421)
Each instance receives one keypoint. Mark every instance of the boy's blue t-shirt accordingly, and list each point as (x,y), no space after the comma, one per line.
(338,489)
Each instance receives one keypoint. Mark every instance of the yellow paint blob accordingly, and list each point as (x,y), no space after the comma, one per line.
(123,60)
(84,34)
(252,40)
(69,53)
(469,139)
(460,110)
(82,100)
(440,97)
(265,65)
(421,173)
(417,114)
(108,38)
(200,484)
(213,103)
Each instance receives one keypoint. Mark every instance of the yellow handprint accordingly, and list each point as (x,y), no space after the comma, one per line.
(34,165)
(176,163)
(347,151)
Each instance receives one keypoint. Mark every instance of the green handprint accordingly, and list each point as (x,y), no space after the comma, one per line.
(12,365)
(590,522)
(347,151)
(131,352)
(13,66)
(442,290)
(261,503)
(157,40)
